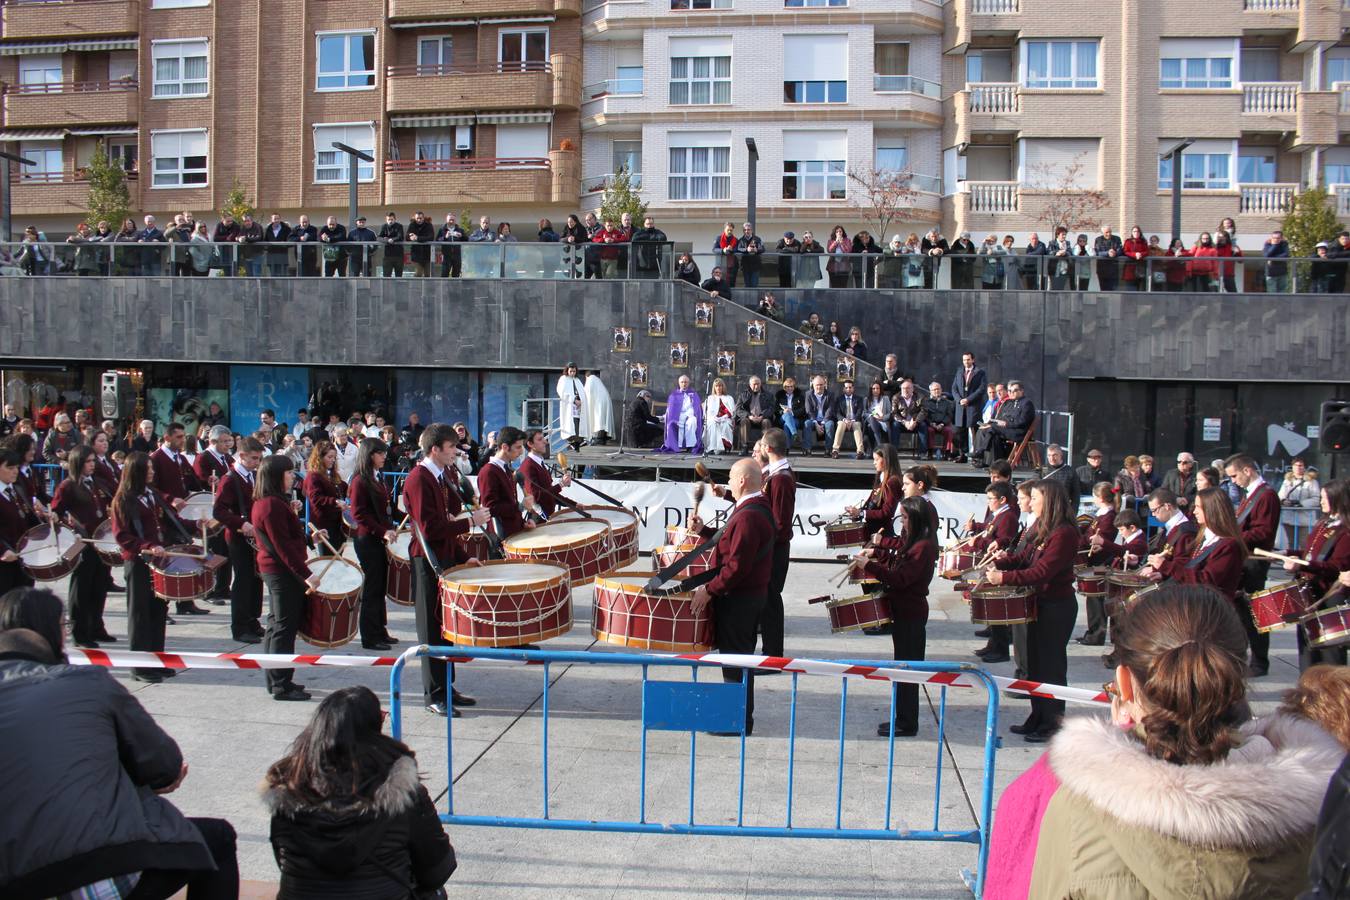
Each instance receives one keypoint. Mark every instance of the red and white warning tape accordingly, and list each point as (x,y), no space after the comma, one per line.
(143,659)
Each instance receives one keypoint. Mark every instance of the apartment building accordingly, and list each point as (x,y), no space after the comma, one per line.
(1039,101)
(466,106)
(824,88)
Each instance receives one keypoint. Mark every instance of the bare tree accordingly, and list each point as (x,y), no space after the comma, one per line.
(885,196)
(1064,201)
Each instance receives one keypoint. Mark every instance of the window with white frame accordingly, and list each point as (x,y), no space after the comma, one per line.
(700,71)
(178,4)
(1256,166)
(1337,66)
(1205,165)
(1060,163)
(434,143)
(526,144)
(815,165)
(891,156)
(124,152)
(792,4)
(182,68)
(434,54)
(330,164)
(1336,165)
(627,155)
(46,157)
(1196,63)
(40,69)
(700,166)
(178,158)
(1060,65)
(524,50)
(700,4)
(815,68)
(346,60)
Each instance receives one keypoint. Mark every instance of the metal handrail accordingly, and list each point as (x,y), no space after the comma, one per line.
(467,164)
(66,176)
(73,87)
(482,68)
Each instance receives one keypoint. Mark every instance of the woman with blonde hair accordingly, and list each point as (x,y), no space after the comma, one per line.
(323,494)
(719,411)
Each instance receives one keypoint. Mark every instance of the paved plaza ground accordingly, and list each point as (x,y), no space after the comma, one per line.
(230,730)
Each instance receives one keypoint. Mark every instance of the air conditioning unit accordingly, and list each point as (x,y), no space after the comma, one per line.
(463,137)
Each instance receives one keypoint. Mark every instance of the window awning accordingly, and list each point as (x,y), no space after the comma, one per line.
(33,47)
(129,43)
(31,134)
(517,20)
(465,21)
(429,23)
(29,48)
(515,118)
(111,129)
(429,121)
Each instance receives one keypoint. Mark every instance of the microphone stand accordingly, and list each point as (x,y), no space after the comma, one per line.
(623,422)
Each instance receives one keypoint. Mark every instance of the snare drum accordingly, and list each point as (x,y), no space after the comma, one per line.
(332,609)
(49,555)
(625,614)
(199,508)
(679,536)
(1002,604)
(348,522)
(1278,606)
(1091,580)
(845,534)
(967,581)
(1120,588)
(955,561)
(623,530)
(505,603)
(581,546)
(664,556)
(184,578)
(398,583)
(1329,628)
(857,613)
(108,549)
(477,546)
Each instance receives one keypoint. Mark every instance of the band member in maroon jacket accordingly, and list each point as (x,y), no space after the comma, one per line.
(1327,554)
(1103,525)
(497,489)
(887,492)
(1047,566)
(537,479)
(1258,517)
(1001,523)
(31,481)
(1172,548)
(780,488)
(106,472)
(905,572)
(1003,638)
(917,482)
(1129,547)
(322,493)
(174,480)
(743,560)
(1216,559)
(281,562)
(210,467)
(233,506)
(369,498)
(16,517)
(425,494)
(136,528)
(79,503)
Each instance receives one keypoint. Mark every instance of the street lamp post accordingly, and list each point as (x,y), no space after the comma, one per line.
(1174,153)
(354,159)
(750,192)
(6,193)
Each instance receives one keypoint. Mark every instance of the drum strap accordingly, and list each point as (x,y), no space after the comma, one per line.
(1324,552)
(680,564)
(272,551)
(171,516)
(426,549)
(1196,560)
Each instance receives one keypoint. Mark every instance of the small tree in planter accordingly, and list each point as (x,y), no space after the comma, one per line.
(885,195)
(622,197)
(109,198)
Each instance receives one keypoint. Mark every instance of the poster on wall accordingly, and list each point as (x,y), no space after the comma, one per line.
(186,406)
(283,389)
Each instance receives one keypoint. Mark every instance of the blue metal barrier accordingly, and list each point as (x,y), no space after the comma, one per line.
(51,474)
(696,706)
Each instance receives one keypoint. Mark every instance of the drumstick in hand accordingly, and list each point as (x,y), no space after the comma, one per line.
(323,540)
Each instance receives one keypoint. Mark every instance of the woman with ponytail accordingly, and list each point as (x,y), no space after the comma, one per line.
(1179,792)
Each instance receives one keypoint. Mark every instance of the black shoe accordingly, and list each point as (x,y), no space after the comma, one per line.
(878,629)
(217,601)
(191,609)
(168,673)
(439,708)
(247,639)
(292,693)
(1258,670)
(374,645)
(760,673)
(1088,640)
(85,644)
(106,638)
(170,620)
(996,657)
(985,650)
(459,699)
(147,677)
(961,458)
(116,589)
(984,632)
(1038,737)
(884,730)
(749,730)
(1024,728)
(389,639)
(257,629)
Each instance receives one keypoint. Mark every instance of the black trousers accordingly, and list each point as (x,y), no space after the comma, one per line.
(451,261)
(246,591)
(1014,638)
(221,547)
(427,609)
(1096,616)
(13,575)
(1048,656)
(1254,573)
(370,553)
(286,593)
(87,596)
(909,640)
(735,620)
(146,613)
(771,619)
(222,884)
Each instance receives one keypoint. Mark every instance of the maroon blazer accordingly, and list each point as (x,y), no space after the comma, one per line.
(273,518)
(739,558)
(1328,555)
(1105,525)
(34,485)
(1136,545)
(1047,566)
(497,494)
(906,576)
(125,534)
(107,474)
(206,465)
(880,517)
(428,504)
(325,509)
(781,491)
(1180,541)
(1218,565)
(1002,530)
(370,508)
(82,502)
(173,480)
(16,517)
(1259,517)
(234,503)
(539,483)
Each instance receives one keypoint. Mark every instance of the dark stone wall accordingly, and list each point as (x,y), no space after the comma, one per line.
(1044,339)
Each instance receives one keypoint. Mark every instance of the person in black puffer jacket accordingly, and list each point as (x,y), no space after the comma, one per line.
(350,818)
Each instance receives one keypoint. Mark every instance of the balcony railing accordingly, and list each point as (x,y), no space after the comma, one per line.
(1270,97)
(65,176)
(993,196)
(993,97)
(1270,5)
(993,7)
(1265,199)
(484,68)
(613,87)
(598,183)
(909,84)
(1342,194)
(468,164)
(73,87)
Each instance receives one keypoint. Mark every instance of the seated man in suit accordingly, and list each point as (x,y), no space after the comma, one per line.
(644,430)
(754,413)
(1009,425)
(820,418)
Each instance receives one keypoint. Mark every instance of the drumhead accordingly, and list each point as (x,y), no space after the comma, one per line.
(198,507)
(180,565)
(41,536)
(617,518)
(103,535)
(503,574)
(42,555)
(342,577)
(554,534)
(402,544)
